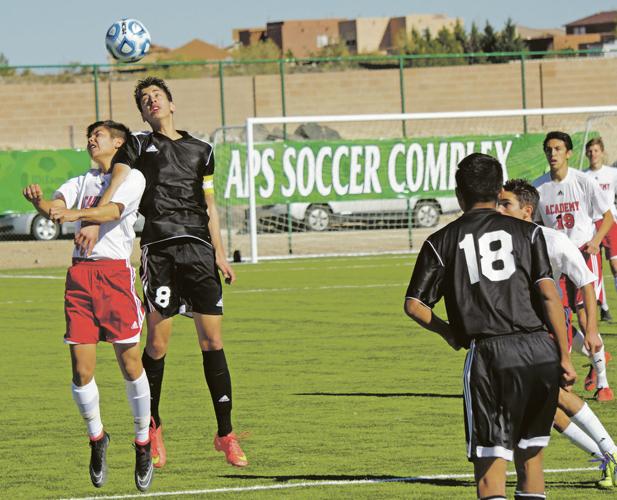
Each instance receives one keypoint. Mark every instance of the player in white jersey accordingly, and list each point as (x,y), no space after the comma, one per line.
(100,298)
(568,201)
(574,419)
(606,177)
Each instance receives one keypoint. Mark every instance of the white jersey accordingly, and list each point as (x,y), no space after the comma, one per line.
(115,238)
(566,258)
(607,178)
(569,205)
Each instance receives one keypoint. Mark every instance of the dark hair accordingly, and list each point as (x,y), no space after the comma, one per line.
(116,129)
(148,82)
(596,141)
(479,178)
(525,193)
(562,136)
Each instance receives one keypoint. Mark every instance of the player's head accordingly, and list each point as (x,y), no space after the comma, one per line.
(104,139)
(478,179)
(594,151)
(557,149)
(153,99)
(519,199)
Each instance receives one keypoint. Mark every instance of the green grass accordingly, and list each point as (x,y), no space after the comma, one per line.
(331,381)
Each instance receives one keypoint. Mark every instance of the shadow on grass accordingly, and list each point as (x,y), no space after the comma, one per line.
(382,394)
(351,478)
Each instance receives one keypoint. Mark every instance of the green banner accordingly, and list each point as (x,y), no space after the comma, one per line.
(47,168)
(311,170)
(379,169)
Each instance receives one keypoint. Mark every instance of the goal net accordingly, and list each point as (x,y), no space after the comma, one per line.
(366,184)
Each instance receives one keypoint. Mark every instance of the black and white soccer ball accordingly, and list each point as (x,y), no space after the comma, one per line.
(127,40)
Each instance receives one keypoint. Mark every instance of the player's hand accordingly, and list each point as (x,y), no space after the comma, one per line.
(593,342)
(568,377)
(86,238)
(592,248)
(226,270)
(33,193)
(62,215)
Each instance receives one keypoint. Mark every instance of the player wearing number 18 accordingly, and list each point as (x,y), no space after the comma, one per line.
(495,276)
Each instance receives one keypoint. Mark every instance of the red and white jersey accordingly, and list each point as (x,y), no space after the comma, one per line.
(569,205)
(607,178)
(115,238)
(566,258)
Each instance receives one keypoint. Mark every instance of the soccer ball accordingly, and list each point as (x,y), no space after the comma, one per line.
(127,40)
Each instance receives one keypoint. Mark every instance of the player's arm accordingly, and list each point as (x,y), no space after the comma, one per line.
(593,342)
(541,274)
(425,290)
(217,241)
(96,215)
(424,316)
(118,175)
(555,320)
(34,194)
(593,246)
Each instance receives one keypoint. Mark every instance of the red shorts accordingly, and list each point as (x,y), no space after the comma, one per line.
(100,303)
(609,243)
(572,296)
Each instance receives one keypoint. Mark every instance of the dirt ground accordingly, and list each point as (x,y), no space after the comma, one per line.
(25,254)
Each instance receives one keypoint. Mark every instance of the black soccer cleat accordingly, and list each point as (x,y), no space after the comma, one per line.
(605,315)
(98,460)
(144,469)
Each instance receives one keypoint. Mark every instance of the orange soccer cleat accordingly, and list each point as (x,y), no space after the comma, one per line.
(604,394)
(230,446)
(159,455)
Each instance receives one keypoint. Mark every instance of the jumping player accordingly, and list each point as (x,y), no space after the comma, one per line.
(495,276)
(606,177)
(568,200)
(181,251)
(100,298)
(574,419)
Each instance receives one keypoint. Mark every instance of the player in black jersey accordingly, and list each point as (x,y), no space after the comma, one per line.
(181,251)
(495,277)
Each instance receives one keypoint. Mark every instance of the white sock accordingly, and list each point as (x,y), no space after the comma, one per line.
(604,305)
(87,399)
(579,438)
(588,422)
(138,394)
(599,363)
(578,342)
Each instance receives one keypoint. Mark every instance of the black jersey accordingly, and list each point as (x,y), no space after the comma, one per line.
(173,203)
(486,266)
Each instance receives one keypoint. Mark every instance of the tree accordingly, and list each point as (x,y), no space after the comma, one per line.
(508,40)
(489,39)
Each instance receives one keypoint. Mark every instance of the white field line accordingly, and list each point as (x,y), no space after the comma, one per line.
(32,276)
(308,484)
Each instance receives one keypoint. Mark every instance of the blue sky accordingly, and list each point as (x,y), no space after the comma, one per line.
(63,31)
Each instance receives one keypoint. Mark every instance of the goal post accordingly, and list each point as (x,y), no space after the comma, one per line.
(365,184)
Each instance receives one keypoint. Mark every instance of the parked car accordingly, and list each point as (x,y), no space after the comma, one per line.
(39,227)
(424,212)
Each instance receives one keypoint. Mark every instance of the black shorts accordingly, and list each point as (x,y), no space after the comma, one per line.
(511,385)
(180,276)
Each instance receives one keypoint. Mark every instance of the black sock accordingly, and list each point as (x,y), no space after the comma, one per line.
(154,371)
(219,383)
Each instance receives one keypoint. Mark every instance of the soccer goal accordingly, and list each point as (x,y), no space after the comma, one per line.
(303,186)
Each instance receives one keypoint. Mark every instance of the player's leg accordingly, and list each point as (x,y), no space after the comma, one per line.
(529,473)
(162,302)
(138,395)
(490,476)
(153,359)
(575,434)
(82,334)
(218,378)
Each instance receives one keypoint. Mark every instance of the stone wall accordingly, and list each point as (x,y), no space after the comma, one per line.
(55,115)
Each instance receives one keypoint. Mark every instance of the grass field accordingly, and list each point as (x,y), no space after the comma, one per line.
(341,395)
